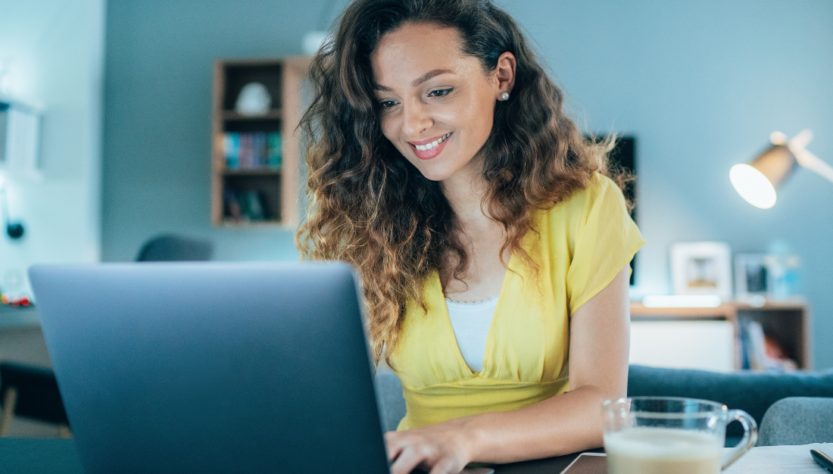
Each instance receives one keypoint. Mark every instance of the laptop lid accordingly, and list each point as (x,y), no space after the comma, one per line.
(212,367)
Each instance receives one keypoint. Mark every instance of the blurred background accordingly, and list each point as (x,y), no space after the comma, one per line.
(126,97)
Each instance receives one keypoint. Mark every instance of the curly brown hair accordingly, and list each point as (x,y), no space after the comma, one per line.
(370,207)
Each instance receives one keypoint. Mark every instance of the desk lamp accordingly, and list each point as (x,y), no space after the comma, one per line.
(14,229)
(757,181)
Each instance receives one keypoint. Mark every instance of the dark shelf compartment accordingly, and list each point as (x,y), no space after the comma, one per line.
(267,187)
(252,125)
(238,75)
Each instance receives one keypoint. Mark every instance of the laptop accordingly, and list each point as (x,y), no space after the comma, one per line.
(212,367)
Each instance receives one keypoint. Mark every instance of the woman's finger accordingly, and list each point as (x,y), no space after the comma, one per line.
(446,465)
(393,445)
(407,460)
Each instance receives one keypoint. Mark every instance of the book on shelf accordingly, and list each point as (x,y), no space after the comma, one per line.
(231,150)
(275,154)
(760,351)
(246,151)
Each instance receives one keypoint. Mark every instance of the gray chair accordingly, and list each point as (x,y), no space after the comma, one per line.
(389,396)
(173,248)
(797,420)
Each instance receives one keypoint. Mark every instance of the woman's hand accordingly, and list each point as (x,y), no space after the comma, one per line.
(438,449)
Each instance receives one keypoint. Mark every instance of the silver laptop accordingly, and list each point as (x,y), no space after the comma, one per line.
(212,368)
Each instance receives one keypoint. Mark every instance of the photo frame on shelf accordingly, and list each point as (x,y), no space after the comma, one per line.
(701,268)
(751,276)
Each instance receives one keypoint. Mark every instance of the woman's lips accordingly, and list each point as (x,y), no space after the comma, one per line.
(432,152)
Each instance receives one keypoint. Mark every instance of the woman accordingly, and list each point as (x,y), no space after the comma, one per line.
(442,166)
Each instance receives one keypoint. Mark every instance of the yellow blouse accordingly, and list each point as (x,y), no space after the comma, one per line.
(580,245)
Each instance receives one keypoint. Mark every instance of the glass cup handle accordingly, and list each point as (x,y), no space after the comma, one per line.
(750,436)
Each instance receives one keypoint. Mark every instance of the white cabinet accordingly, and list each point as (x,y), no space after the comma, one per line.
(706,345)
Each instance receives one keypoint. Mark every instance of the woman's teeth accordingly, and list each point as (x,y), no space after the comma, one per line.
(433,144)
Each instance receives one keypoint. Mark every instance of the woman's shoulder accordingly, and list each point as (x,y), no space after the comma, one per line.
(575,209)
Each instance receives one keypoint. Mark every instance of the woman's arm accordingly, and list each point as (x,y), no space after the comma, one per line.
(599,338)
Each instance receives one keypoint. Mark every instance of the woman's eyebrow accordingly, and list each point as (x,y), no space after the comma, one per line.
(417,81)
(429,75)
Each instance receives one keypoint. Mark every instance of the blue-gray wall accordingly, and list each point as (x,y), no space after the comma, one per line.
(701,84)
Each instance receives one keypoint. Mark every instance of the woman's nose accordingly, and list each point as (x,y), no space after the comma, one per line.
(417,118)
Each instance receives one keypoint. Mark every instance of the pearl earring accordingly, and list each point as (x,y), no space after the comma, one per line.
(504,96)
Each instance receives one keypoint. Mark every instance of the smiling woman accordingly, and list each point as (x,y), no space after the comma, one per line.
(451,107)
(491,240)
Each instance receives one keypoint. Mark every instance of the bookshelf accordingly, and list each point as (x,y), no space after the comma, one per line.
(255,159)
(785,322)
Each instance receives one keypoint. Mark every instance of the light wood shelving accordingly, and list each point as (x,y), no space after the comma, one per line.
(277,188)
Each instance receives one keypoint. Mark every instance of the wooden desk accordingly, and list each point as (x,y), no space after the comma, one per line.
(52,456)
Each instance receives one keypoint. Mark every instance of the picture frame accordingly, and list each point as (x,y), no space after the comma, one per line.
(752,276)
(702,268)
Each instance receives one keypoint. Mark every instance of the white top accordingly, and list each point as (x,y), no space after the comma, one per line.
(471,322)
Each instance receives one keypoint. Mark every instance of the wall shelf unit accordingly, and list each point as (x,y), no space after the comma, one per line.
(255,159)
(787,323)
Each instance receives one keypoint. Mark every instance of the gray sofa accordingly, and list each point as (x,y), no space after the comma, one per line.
(753,392)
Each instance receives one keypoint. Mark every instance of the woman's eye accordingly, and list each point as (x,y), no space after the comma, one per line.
(440,92)
(386,104)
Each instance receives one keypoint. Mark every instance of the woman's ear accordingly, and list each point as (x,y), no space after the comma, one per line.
(505,74)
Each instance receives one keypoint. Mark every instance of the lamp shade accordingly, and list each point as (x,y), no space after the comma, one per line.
(758,181)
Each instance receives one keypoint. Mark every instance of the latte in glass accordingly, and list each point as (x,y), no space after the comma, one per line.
(662,450)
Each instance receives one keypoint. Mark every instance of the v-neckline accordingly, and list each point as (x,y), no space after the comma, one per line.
(449,329)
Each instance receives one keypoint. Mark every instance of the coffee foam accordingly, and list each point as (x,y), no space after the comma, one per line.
(662,443)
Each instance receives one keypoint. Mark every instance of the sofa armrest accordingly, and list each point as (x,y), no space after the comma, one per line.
(797,420)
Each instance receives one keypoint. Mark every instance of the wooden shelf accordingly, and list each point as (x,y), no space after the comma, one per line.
(270,193)
(230,115)
(250,224)
(253,172)
(639,311)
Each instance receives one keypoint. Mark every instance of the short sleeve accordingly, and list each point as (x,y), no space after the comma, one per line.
(606,241)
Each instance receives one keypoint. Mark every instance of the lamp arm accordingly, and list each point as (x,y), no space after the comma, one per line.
(798,147)
(814,163)
(4,206)
(15,230)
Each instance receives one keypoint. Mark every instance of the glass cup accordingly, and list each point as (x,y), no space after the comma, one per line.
(652,435)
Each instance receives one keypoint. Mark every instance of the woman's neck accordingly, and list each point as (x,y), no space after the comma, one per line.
(482,239)
(465,191)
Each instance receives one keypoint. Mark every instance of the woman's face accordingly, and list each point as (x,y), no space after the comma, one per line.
(437,104)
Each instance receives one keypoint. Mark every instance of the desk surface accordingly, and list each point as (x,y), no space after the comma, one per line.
(18,317)
(48,456)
